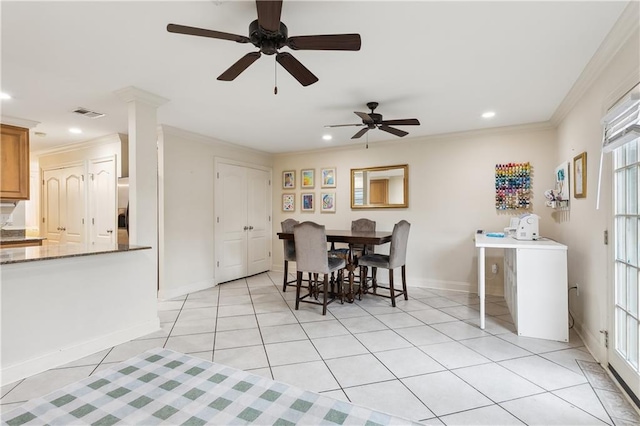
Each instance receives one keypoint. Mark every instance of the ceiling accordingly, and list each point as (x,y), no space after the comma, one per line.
(444,63)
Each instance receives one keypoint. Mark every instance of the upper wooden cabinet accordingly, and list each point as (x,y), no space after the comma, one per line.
(14,163)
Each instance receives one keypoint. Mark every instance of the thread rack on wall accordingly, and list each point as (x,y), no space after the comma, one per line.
(513,186)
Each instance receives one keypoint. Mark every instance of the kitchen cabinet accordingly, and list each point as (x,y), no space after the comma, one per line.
(243,221)
(14,163)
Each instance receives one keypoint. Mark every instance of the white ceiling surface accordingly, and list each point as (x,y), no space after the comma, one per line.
(444,63)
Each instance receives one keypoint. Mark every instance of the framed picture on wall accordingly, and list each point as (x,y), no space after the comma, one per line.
(328,200)
(308,178)
(580,176)
(308,202)
(289,179)
(288,202)
(328,176)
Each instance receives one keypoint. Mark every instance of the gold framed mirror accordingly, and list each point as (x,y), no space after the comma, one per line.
(380,187)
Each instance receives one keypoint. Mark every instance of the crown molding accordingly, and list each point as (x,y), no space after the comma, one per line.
(18,122)
(207,140)
(132,93)
(102,140)
(442,137)
(624,28)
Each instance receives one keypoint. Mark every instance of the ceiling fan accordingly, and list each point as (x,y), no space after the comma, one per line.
(269,35)
(373,120)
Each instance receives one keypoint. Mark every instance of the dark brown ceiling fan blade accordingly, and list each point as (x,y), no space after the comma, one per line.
(183,29)
(360,133)
(325,42)
(243,63)
(269,12)
(365,117)
(344,125)
(393,131)
(296,69)
(402,122)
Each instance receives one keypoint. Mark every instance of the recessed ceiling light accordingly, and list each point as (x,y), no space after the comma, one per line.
(488,114)
(75,130)
(327,137)
(5,95)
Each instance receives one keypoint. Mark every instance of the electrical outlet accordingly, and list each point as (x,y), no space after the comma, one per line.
(494,268)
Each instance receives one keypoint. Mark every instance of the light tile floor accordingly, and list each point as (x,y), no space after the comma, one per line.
(426,360)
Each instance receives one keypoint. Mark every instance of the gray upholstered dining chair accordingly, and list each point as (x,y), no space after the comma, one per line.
(289,252)
(311,256)
(397,257)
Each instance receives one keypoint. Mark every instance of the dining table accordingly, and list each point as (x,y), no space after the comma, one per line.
(349,237)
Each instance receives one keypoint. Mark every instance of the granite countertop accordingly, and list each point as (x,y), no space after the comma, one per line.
(18,239)
(59,251)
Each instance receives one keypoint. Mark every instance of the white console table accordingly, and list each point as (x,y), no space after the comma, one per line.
(535,285)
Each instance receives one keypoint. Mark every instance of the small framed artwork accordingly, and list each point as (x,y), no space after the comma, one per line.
(289,179)
(328,176)
(288,202)
(328,202)
(308,178)
(580,176)
(308,202)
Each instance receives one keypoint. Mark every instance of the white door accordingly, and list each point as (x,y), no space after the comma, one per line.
(102,197)
(243,221)
(231,222)
(64,206)
(52,203)
(259,221)
(624,339)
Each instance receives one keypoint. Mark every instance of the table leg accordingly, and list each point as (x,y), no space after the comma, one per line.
(481,283)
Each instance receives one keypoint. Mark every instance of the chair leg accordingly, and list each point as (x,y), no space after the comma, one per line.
(391,290)
(374,281)
(298,284)
(325,286)
(286,275)
(404,283)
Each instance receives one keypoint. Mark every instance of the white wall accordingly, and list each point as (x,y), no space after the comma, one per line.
(451,194)
(590,260)
(186,198)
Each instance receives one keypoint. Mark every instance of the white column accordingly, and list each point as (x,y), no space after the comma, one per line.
(143,165)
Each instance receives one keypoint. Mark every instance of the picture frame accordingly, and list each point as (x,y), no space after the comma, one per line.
(580,176)
(328,177)
(288,202)
(289,179)
(307,202)
(328,202)
(307,178)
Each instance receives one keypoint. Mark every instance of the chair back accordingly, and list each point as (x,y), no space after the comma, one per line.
(289,246)
(364,225)
(311,248)
(398,250)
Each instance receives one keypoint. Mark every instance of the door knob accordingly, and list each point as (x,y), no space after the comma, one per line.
(246,227)
(250,228)
(110,231)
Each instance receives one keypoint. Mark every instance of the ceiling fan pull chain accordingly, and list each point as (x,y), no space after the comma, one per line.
(275,68)
(367,145)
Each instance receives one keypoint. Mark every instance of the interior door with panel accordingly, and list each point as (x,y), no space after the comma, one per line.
(259,221)
(103,201)
(243,221)
(64,204)
(231,222)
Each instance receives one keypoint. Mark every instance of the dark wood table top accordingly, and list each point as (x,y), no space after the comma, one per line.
(350,237)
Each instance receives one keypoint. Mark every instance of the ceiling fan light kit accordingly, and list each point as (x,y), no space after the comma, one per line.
(269,35)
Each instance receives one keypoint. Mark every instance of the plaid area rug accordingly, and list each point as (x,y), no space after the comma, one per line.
(161,386)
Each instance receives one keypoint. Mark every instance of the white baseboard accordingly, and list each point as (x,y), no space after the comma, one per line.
(12,373)
(593,343)
(167,294)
